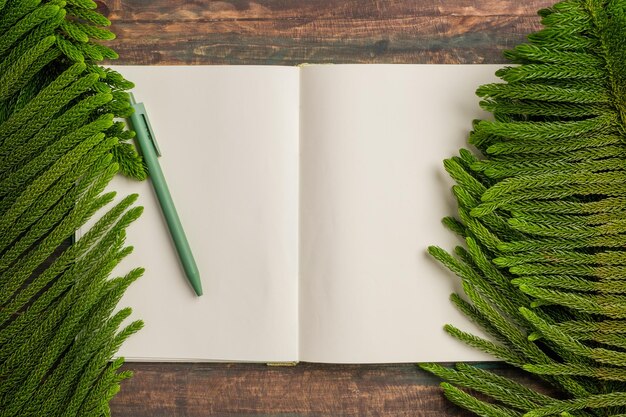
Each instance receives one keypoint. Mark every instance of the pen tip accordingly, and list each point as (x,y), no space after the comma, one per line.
(197,287)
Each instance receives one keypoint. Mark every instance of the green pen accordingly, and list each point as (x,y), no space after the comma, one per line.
(150,152)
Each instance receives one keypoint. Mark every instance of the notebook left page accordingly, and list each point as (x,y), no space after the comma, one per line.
(229,143)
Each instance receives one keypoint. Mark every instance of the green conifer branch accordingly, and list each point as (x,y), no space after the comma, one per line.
(59,148)
(541,208)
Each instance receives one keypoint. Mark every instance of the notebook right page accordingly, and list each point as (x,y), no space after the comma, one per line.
(373,192)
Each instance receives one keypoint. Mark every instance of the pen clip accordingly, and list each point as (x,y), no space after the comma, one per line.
(140,111)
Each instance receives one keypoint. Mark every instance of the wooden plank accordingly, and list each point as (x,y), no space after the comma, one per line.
(306,390)
(320,31)
(210,10)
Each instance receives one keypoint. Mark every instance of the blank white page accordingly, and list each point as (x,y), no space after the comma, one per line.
(373,192)
(229,139)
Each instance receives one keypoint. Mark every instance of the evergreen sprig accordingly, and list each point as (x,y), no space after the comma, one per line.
(541,205)
(59,148)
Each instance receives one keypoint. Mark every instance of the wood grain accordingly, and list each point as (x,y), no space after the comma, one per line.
(291,32)
(254,390)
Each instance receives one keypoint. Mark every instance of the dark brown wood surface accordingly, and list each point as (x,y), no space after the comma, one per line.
(306,390)
(290,32)
(315,31)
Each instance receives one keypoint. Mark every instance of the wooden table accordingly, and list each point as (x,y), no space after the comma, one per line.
(290,32)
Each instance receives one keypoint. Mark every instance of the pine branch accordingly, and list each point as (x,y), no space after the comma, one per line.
(542,213)
(59,149)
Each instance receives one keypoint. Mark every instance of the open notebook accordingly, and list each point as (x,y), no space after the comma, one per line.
(309,196)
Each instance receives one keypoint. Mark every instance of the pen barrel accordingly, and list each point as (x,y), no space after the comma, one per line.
(155,173)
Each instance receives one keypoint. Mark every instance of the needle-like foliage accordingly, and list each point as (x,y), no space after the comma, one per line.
(542,210)
(59,148)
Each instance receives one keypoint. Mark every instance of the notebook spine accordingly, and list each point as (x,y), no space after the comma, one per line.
(282,363)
